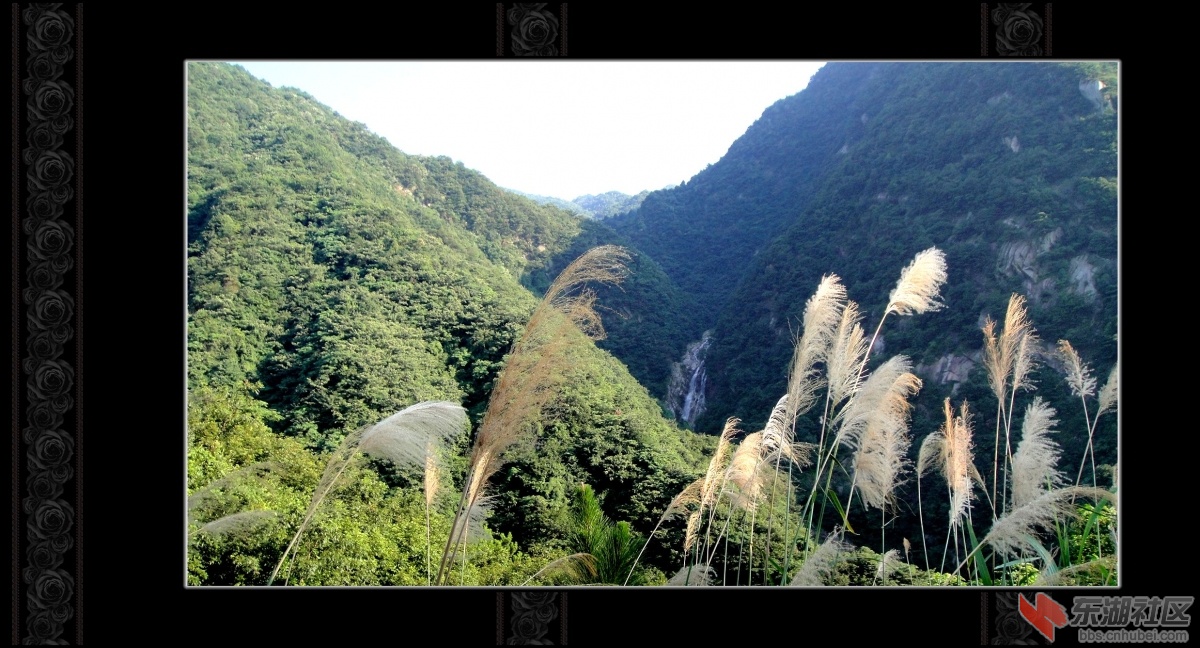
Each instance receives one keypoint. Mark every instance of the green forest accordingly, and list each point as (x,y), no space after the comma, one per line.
(400,374)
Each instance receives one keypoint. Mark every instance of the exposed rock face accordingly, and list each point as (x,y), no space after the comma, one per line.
(1019,258)
(1092,89)
(1083,278)
(689,380)
(950,368)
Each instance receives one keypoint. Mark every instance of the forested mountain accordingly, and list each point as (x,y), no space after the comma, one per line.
(334,280)
(598,206)
(1008,168)
(610,203)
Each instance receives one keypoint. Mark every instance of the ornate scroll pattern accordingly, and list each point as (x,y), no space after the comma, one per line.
(532,619)
(49,102)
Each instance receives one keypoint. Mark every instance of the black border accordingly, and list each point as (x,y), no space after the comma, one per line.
(133,290)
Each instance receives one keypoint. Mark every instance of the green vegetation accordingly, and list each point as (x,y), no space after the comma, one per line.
(334,281)
(400,374)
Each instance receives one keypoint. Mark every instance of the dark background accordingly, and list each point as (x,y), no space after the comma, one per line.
(133,309)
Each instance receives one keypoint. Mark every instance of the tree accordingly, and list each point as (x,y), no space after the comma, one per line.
(613,547)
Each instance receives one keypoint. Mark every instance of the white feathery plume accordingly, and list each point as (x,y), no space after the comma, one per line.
(883,441)
(1079,375)
(1108,393)
(238,522)
(694,576)
(888,564)
(1013,533)
(777,435)
(821,315)
(920,284)
(1036,458)
(819,566)
(408,436)
(846,354)
(745,472)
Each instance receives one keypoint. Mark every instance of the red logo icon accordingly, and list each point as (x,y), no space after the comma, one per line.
(1047,615)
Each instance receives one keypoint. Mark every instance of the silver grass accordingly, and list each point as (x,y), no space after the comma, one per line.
(203,495)
(579,566)
(693,576)
(1036,458)
(819,566)
(884,442)
(1048,578)
(534,369)
(920,284)
(888,564)
(800,453)
(959,464)
(745,472)
(998,365)
(778,432)
(821,315)
(409,436)
(479,513)
(433,473)
(929,453)
(1079,375)
(1012,534)
(716,466)
(1108,393)
(423,421)
(846,354)
(876,398)
(339,460)
(1023,361)
(678,506)
(237,523)
(1002,351)
(878,466)
(690,535)
(949,450)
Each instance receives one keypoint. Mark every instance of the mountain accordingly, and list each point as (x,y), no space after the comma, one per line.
(565,205)
(599,206)
(610,203)
(334,280)
(1009,169)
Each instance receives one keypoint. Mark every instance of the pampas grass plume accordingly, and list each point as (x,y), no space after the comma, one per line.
(819,565)
(920,284)
(1036,458)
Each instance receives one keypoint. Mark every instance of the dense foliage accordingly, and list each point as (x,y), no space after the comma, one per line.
(334,280)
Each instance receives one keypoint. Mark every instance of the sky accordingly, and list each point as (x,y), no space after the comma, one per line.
(554,128)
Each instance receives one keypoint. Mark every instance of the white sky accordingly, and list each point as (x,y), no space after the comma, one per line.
(554,128)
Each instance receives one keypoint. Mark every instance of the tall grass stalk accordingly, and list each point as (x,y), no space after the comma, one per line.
(689,495)
(535,367)
(403,437)
(917,291)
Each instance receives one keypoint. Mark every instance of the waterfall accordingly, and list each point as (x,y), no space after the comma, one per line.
(685,394)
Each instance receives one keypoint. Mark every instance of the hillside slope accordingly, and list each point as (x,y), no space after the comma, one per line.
(333,280)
